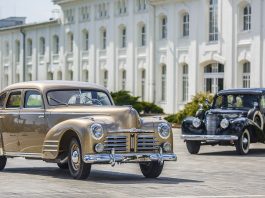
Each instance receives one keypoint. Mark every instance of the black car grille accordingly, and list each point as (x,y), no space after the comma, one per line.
(212,122)
(119,143)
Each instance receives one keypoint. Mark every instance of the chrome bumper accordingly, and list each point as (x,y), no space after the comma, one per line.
(128,158)
(210,137)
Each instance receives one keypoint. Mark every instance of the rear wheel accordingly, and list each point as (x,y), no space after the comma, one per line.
(151,169)
(63,165)
(3,160)
(77,167)
(243,143)
(193,146)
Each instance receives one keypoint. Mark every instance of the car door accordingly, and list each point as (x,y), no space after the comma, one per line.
(2,102)
(9,122)
(32,122)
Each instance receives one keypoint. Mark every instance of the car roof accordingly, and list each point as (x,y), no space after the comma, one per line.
(242,91)
(47,85)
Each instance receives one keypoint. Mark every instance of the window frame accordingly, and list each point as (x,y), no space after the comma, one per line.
(213,32)
(24,99)
(4,101)
(247,17)
(11,92)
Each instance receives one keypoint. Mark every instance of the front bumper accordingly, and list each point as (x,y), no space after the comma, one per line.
(210,137)
(129,158)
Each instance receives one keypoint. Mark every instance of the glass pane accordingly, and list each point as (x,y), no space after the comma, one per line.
(14,100)
(33,99)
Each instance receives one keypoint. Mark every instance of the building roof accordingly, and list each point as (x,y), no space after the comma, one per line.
(242,91)
(53,84)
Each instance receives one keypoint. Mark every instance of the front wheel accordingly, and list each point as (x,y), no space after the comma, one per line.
(77,167)
(243,143)
(193,146)
(151,169)
(3,160)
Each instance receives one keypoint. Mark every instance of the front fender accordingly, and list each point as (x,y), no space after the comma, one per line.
(188,128)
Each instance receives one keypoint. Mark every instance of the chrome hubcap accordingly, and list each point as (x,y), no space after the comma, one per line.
(75,157)
(245,141)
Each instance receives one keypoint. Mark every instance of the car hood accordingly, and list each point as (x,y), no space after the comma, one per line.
(122,116)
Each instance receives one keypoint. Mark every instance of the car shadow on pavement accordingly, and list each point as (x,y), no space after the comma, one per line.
(99,176)
(252,153)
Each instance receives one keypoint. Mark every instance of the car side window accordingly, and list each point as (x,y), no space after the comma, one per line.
(33,99)
(262,102)
(14,100)
(2,100)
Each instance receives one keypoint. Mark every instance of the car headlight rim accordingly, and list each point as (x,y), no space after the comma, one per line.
(164,130)
(97,131)
(196,122)
(224,123)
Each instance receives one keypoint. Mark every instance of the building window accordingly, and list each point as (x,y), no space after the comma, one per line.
(69,16)
(164,27)
(143,77)
(84,14)
(121,7)
(6,49)
(247,18)
(105,78)
(59,75)
(70,75)
(246,75)
(17,78)
(214,77)
(85,40)
(185,82)
(29,77)
(42,46)
(17,51)
(123,80)
(70,42)
(56,44)
(142,42)
(103,39)
(141,5)
(102,10)
(163,82)
(50,76)
(186,25)
(85,76)
(29,47)
(123,37)
(213,20)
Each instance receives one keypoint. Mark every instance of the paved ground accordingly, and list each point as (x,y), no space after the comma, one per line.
(216,172)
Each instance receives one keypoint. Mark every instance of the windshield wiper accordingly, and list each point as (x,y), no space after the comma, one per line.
(58,101)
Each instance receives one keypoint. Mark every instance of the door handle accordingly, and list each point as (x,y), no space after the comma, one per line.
(41,116)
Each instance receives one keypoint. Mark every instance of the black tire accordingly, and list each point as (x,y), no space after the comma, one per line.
(3,160)
(151,169)
(258,121)
(243,143)
(77,167)
(193,147)
(63,166)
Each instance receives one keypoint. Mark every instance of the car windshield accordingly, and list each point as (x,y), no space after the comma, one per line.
(78,97)
(235,101)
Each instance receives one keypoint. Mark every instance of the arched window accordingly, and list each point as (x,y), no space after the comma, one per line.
(123,82)
(163,82)
(85,40)
(42,46)
(123,37)
(85,76)
(29,47)
(17,51)
(163,27)
(213,20)
(142,36)
(29,77)
(143,79)
(105,78)
(246,75)
(59,75)
(70,42)
(50,76)
(185,82)
(186,25)
(247,17)
(103,38)
(56,44)
(214,77)
(70,75)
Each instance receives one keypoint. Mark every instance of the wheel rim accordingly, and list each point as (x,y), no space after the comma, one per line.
(75,157)
(245,141)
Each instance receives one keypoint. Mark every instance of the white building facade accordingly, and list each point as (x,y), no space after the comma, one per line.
(164,51)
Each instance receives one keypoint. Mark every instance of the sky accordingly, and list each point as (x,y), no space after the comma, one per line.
(34,10)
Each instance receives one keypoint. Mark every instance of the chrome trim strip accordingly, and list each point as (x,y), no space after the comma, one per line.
(18,154)
(129,158)
(133,130)
(209,137)
(49,150)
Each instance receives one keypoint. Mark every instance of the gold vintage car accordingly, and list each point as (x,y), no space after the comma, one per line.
(76,124)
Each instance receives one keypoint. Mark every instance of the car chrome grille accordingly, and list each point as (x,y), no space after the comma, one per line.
(119,143)
(146,143)
(212,123)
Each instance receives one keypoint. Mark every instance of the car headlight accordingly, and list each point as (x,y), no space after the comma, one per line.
(196,122)
(97,131)
(224,123)
(164,130)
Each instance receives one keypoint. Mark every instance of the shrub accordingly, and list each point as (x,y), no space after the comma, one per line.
(190,108)
(125,98)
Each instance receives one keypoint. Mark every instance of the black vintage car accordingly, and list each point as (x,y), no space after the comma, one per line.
(235,118)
